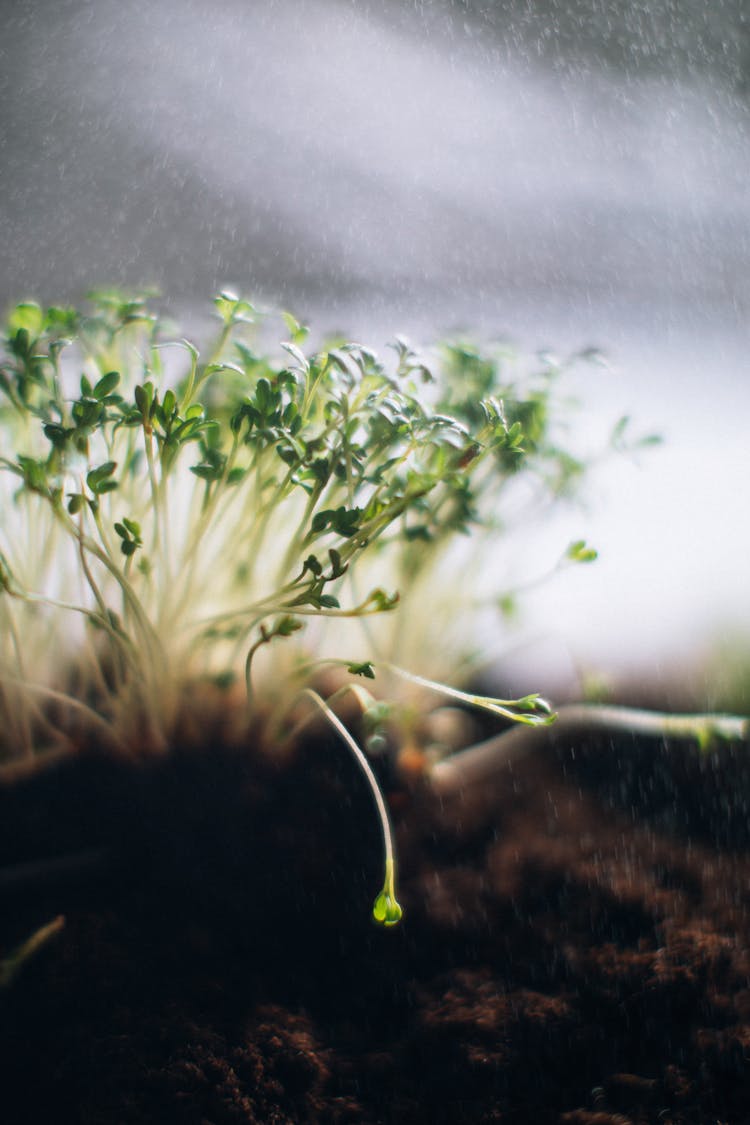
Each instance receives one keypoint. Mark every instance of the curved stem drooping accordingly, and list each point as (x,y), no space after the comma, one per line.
(386,909)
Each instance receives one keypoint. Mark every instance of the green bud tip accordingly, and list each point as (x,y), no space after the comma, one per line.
(386,909)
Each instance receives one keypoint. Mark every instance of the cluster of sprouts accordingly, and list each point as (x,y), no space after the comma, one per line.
(169,519)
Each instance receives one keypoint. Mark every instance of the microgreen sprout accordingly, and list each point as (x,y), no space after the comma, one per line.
(170,517)
(386,908)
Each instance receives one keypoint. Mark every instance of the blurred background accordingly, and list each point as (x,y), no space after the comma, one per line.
(563,173)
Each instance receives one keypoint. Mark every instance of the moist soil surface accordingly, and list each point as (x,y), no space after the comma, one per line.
(574,946)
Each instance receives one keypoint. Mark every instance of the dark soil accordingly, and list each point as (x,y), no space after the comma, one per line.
(581,955)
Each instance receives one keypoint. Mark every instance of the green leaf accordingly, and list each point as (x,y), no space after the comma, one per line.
(337,567)
(386,909)
(34,475)
(287,625)
(381,602)
(365,669)
(297,355)
(26,317)
(346,521)
(297,331)
(312,564)
(105,386)
(508,606)
(580,552)
(232,309)
(98,481)
(58,435)
(144,400)
(206,472)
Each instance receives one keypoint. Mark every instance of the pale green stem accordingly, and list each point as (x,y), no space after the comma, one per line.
(385,824)
(157,545)
(159,677)
(195,380)
(362,695)
(263,609)
(13,964)
(264,640)
(479,763)
(55,603)
(506,708)
(92,717)
(297,541)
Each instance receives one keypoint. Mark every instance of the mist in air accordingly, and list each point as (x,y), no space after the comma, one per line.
(565,174)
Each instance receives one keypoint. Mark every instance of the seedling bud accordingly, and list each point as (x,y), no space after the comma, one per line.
(386,909)
(580,552)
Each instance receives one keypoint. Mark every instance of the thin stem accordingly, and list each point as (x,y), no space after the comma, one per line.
(264,639)
(483,761)
(297,541)
(158,536)
(12,965)
(264,609)
(363,697)
(24,719)
(92,717)
(530,711)
(386,912)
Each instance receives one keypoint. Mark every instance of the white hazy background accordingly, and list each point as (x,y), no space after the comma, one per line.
(565,175)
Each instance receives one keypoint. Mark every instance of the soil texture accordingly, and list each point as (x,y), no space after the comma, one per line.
(575,946)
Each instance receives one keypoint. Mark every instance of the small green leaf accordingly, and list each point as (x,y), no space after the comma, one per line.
(144,400)
(232,309)
(381,602)
(26,317)
(580,552)
(105,386)
(365,669)
(297,355)
(337,567)
(58,435)
(508,606)
(97,478)
(297,331)
(312,564)
(386,909)
(287,625)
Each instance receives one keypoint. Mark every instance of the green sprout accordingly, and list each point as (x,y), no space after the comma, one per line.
(172,517)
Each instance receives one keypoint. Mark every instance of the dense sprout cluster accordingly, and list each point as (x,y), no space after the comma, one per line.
(167,516)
